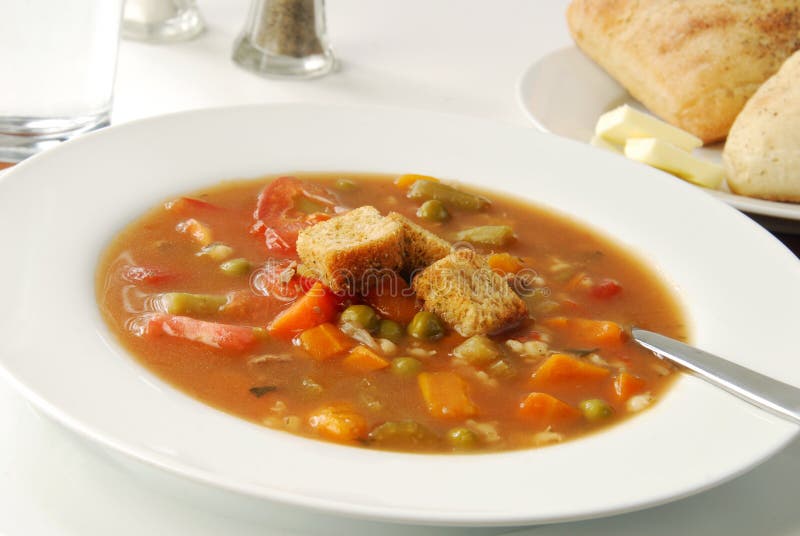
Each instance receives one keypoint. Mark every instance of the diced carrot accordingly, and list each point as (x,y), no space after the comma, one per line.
(222,336)
(315,307)
(586,332)
(626,385)
(363,359)
(325,341)
(561,369)
(184,205)
(199,232)
(445,394)
(338,423)
(544,410)
(404,181)
(504,263)
(392,297)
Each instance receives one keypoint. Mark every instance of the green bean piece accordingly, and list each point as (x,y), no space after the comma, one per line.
(433,210)
(362,316)
(426,326)
(236,267)
(184,303)
(488,235)
(596,409)
(389,329)
(345,185)
(478,350)
(462,438)
(425,189)
(405,367)
(402,434)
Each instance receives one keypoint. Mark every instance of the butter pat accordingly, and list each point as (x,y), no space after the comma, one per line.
(625,122)
(602,143)
(667,157)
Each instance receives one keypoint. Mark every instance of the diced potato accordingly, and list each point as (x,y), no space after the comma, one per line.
(478,350)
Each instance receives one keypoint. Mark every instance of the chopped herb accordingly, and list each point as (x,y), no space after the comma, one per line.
(261,390)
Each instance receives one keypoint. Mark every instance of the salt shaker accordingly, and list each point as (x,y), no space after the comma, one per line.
(161,21)
(285,38)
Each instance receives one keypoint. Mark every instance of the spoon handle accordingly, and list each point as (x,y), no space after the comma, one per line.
(776,397)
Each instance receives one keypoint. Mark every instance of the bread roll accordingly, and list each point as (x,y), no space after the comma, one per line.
(692,62)
(762,154)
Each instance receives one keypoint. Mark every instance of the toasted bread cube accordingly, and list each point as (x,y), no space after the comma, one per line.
(422,247)
(345,250)
(472,299)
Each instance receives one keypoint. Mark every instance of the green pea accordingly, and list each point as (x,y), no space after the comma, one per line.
(433,210)
(405,366)
(345,185)
(362,316)
(426,326)
(596,409)
(462,438)
(389,329)
(236,267)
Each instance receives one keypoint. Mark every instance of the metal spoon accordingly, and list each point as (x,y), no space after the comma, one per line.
(771,395)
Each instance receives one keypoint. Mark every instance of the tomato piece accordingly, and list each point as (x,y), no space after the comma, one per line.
(188,204)
(278,279)
(285,207)
(607,288)
(222,336)
(146,274)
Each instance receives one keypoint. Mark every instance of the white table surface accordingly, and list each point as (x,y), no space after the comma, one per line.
(453,56)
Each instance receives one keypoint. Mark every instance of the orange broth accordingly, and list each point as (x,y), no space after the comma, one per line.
(575,272)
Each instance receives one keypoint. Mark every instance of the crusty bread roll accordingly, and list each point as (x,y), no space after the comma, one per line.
(762,154)
(692,62)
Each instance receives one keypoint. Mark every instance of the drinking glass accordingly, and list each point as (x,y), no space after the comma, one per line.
(59,59)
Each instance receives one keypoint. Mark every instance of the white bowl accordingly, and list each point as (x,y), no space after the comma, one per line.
(58,210)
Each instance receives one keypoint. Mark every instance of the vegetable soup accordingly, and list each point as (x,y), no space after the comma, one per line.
(402,313)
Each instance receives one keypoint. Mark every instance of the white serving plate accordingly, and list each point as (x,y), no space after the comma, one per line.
(564,93)
(58,210)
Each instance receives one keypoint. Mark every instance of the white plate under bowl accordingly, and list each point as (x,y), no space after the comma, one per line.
(58,211)
(564,93)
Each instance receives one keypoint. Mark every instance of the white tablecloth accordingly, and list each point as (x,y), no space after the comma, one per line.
(453,56)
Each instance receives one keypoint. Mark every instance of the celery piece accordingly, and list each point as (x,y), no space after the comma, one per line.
(185,303)
(425,189)
(488,235)
(236,267)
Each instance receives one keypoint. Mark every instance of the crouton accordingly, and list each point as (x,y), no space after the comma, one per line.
(421,247)
(344,250)
(464,291)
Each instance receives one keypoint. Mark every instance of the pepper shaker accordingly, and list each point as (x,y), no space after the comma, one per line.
(285,38)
